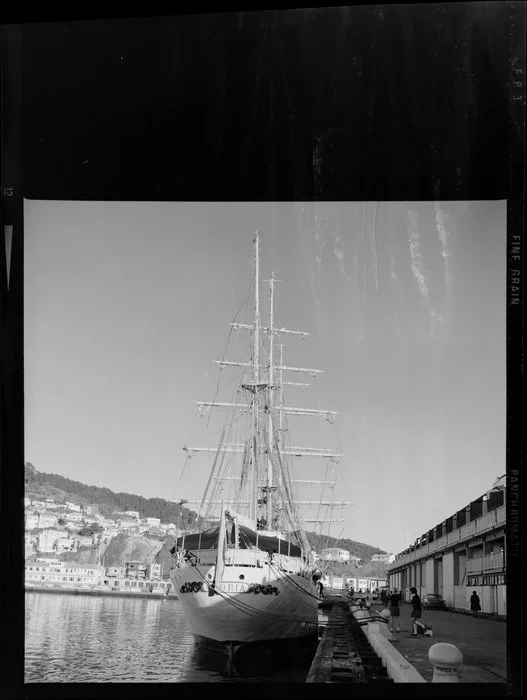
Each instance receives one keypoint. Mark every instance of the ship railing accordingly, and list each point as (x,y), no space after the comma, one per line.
(292,565)
(245,557)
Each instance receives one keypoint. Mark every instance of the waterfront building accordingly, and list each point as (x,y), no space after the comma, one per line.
(464,553)
(153,571)
(335,554)
(46,571)
(135,570)
(114,571)
(151,522)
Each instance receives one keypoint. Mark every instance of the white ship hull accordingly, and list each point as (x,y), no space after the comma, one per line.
(241,613)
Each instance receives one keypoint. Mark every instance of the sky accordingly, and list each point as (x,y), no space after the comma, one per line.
(127,305)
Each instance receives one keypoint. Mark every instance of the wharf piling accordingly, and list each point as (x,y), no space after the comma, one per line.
(344,654)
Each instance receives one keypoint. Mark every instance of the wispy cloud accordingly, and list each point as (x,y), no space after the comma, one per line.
(441,220)
(374,247)
(310,244)
(417,266)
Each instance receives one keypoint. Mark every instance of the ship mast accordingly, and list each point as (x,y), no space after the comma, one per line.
(269,487)
(271,406)
(256,367)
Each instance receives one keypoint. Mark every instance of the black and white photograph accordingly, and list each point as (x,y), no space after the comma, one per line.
(261,291)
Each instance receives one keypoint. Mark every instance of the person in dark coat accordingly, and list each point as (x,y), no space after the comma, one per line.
(393,602)
(417,609)
(475,605)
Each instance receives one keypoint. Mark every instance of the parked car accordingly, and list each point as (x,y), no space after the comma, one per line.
(433,601)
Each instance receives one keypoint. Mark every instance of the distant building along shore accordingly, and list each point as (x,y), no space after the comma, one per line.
(133,577)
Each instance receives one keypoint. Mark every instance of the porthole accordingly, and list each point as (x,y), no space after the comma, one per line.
(241,576)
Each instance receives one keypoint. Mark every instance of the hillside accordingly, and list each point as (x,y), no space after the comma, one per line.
(41,485)
(358,549)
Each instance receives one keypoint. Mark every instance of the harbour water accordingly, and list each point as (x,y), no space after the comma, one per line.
(90,639)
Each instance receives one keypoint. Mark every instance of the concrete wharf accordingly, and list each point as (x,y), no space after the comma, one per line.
(481,640)
(345,655)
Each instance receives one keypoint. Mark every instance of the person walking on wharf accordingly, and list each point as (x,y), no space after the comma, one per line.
(416,610)
(393,602)
(475,605)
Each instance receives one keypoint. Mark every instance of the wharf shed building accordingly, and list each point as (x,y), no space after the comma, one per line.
(464,553)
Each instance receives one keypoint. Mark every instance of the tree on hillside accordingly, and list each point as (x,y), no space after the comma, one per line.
(91,529)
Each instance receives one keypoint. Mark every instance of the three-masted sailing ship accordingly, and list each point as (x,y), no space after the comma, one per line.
(251,575)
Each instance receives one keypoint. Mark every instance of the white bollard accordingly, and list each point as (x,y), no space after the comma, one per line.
(446,660)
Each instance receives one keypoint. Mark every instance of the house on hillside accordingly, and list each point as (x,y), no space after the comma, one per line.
(132,514)
(335,554)
(383,558)
(155,532)
(74,517)
(65,544)
(46,540)
(73,507)
(128,523)
(151,522)
(109,534)
(31,521)
(47,520)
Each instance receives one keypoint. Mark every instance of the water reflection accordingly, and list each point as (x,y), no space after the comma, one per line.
(286,661)
(82,638)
